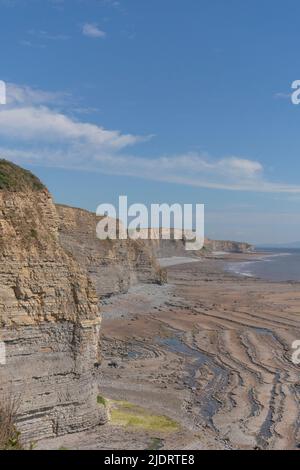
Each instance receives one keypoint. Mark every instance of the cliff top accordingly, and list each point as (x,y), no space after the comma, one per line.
(14,178)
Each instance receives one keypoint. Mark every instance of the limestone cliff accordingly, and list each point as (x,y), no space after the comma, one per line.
(113,265)
(227,246)
(175,246)
(49,316)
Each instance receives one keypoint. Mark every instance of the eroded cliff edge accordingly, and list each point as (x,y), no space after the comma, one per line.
(53,270)
(228,246)
(176,246)
(49,316)
(113,265)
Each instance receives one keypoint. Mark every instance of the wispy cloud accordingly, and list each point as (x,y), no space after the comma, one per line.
(24,95)
(46,35)
(39,38)
(27,43)
(33,130)
(40,124)
(13,3)
(93,31)
(112,3)
(283,95)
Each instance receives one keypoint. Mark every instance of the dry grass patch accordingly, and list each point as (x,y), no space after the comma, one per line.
(9,436)
(127,414)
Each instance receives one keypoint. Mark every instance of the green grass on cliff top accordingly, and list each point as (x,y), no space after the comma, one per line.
(14,178)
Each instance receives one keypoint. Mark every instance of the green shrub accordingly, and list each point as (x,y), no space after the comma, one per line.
(15,178)
(9,436)
(101,400)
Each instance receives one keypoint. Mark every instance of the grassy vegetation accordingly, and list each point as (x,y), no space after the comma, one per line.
(9,436)
(13,178)
(101,401)
(33,233)
(155,444)
(127,414)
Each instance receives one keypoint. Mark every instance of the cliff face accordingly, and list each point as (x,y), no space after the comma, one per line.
(176,246)
(113,265)
(49,318)
(228,246)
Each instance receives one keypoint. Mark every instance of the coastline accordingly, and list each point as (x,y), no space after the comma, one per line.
(211,351)
(231,265)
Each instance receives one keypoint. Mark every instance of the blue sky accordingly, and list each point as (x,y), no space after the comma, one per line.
(164,100)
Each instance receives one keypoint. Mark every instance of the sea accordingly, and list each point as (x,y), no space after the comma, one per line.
(275,265)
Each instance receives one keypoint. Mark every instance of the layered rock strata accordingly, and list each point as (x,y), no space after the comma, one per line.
(49,316)
(113,265)
(176,244)
(228,246)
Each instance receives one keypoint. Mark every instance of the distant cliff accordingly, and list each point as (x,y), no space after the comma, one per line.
(228,246)
(113,265)
(49,316)
(176,245)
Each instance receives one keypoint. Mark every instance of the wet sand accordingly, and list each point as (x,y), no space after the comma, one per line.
(209,350)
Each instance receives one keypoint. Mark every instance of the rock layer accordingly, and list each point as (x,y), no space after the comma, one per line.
(176,246)
(227,246)
(49,319)
(113,265)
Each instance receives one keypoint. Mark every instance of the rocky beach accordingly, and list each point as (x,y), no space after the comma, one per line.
(209,352)
(132,344)
(149,231)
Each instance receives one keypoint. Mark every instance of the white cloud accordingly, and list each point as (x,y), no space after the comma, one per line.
(43,125)
(33,131)
(91,30)
(24,95)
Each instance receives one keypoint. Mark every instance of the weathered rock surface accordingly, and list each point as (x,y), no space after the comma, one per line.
(52,271)
(227,246)
(49,316)
(113,265)
(176,245)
